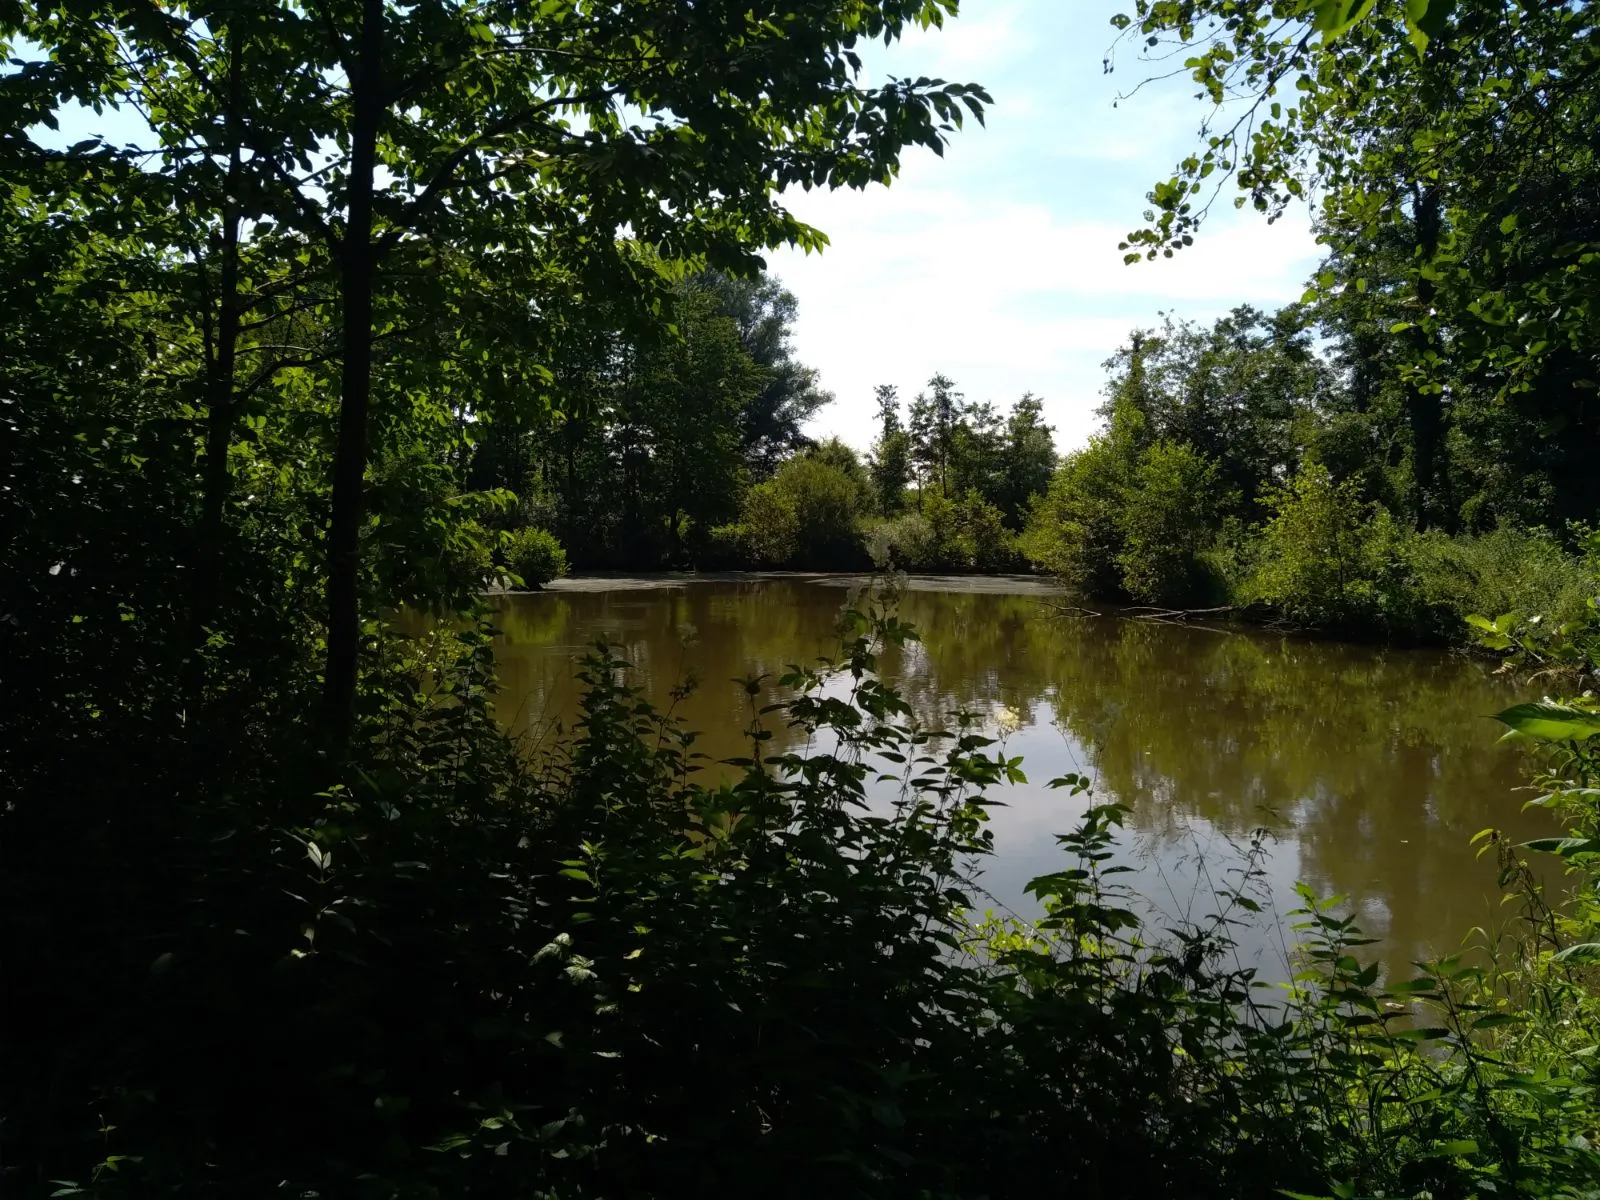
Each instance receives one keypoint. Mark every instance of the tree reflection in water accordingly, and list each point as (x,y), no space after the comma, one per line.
(1370,767)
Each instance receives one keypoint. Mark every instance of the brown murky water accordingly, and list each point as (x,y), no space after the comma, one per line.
(1370,768)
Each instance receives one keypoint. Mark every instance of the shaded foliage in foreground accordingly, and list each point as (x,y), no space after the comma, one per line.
(458,974)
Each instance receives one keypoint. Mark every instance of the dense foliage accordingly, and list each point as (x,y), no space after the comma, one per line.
(1448,148)
(1242,467)
(284,912)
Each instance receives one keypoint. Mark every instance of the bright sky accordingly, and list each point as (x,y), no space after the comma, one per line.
(998,264)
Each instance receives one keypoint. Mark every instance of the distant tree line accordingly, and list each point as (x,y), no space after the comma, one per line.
(681,443)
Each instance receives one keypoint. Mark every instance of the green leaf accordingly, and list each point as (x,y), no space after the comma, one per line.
(1454,1149)
(1496,1020)
(1331,18)
(1551,722)
(1583,954)
(1564,846)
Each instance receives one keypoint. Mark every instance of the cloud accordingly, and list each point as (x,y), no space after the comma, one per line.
(1006,297)
(998,263)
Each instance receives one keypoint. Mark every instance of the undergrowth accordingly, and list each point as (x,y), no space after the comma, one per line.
(459,973)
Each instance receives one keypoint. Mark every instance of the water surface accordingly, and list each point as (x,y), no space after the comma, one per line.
(1370,768)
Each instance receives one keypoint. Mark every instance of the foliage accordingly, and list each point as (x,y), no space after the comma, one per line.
(1560,639)
(969,534)
(1529,573)
(1129,515)
(764,314)
(1330,560)
(907,542)
(1244,393)
(1026,459)
(807,515)
(465,174)
(954,447)
(1455,181)
(662,427)
(1167,523)
(1164,506)
(640,989)
(965,535)
(890,461)
(535,557)
(1075,531)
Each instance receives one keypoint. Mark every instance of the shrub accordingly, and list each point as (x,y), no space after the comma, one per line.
(467,975)
(970,535)
(1121,523)
(1330,560)
(535,557)
(1076,530)
(1167,522)
(1523,572)
(906,542)
(807,516)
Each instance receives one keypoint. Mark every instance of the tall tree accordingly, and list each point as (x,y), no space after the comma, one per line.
(936,416)
(518,135)
(890,461)
(1027,460)
(1241,393)
(1461,129)
(772,425)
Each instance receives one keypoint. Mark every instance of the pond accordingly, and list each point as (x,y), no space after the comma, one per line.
(1369,768)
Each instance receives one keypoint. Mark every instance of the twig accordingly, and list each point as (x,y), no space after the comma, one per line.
(1072,610)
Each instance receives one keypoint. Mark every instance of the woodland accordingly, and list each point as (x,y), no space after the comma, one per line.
(390,303)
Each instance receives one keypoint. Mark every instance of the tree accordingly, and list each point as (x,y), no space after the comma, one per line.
(516,138)
(936,416)
(1456,138)
(675,423)
(1027,460)
(807,515)
(1241,393)
(764,313)
(647,449)
(890,461)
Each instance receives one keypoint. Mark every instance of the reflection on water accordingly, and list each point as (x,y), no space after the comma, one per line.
(1371,768)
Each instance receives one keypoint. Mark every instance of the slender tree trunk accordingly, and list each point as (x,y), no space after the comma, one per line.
(1425,407)
(221,367)
(358,268)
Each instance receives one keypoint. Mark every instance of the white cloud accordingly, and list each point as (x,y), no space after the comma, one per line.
(1005,297)
(998,264)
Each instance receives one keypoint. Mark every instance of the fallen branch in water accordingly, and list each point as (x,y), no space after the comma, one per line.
(1072,610)
(1150,612)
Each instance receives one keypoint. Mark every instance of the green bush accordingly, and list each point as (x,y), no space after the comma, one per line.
(535,556)
(970,535)
(594,974)
(1076,529)
(906,542)
(1167,522)
(1523,572)
(1330,560)
(1120,523)
(806,516)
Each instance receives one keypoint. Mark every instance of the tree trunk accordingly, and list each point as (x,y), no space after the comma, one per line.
(221,374)
(358,268)
(1425,407)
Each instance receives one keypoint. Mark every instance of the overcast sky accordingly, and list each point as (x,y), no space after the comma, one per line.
(998,264)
